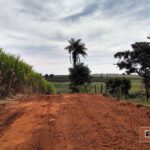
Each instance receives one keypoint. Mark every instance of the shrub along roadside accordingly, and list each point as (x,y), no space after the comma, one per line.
(118,87)
(18,77)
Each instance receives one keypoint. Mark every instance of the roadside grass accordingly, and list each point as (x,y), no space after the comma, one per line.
(16,76)
(139,101)
(137,87)
(63,87)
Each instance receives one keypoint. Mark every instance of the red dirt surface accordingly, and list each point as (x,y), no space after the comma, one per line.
(72,122)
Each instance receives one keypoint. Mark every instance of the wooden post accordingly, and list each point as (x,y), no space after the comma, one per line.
(101,89)
(95,89)
(106,90)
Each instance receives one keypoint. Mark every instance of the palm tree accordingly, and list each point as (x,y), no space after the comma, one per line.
(75,49)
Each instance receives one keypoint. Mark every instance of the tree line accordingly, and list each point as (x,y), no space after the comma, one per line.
(135,61)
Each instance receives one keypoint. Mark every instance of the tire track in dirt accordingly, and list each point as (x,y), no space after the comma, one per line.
(108,122)
(43,137)
(20,130)
(75,122)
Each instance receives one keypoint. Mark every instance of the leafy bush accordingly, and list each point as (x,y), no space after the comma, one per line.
(79,77)
(118,87)
(17,76)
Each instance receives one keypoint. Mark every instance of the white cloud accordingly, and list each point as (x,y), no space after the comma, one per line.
(39,30)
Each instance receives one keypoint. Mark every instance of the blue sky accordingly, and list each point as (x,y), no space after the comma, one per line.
(38,30)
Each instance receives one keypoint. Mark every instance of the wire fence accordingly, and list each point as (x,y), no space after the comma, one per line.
(94,89)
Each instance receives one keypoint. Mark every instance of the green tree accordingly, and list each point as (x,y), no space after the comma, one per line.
(125,87)
(79,76)
(118,87)
(75,49)
(137,61)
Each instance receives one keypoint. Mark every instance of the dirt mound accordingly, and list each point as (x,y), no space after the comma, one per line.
(72,122)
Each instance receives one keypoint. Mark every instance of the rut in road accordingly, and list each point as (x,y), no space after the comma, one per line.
(72,122)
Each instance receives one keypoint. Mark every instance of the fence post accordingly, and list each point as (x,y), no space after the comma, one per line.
(101,88)
(106,90)
(95,89)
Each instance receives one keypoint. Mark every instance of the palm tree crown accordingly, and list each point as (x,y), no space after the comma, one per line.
(75,49)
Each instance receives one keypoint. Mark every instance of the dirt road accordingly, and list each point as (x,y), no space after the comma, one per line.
(72,122)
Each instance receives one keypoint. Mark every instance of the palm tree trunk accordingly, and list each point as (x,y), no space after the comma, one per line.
(74,57)
(70,59)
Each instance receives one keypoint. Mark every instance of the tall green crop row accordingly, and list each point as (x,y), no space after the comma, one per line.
(18,77)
